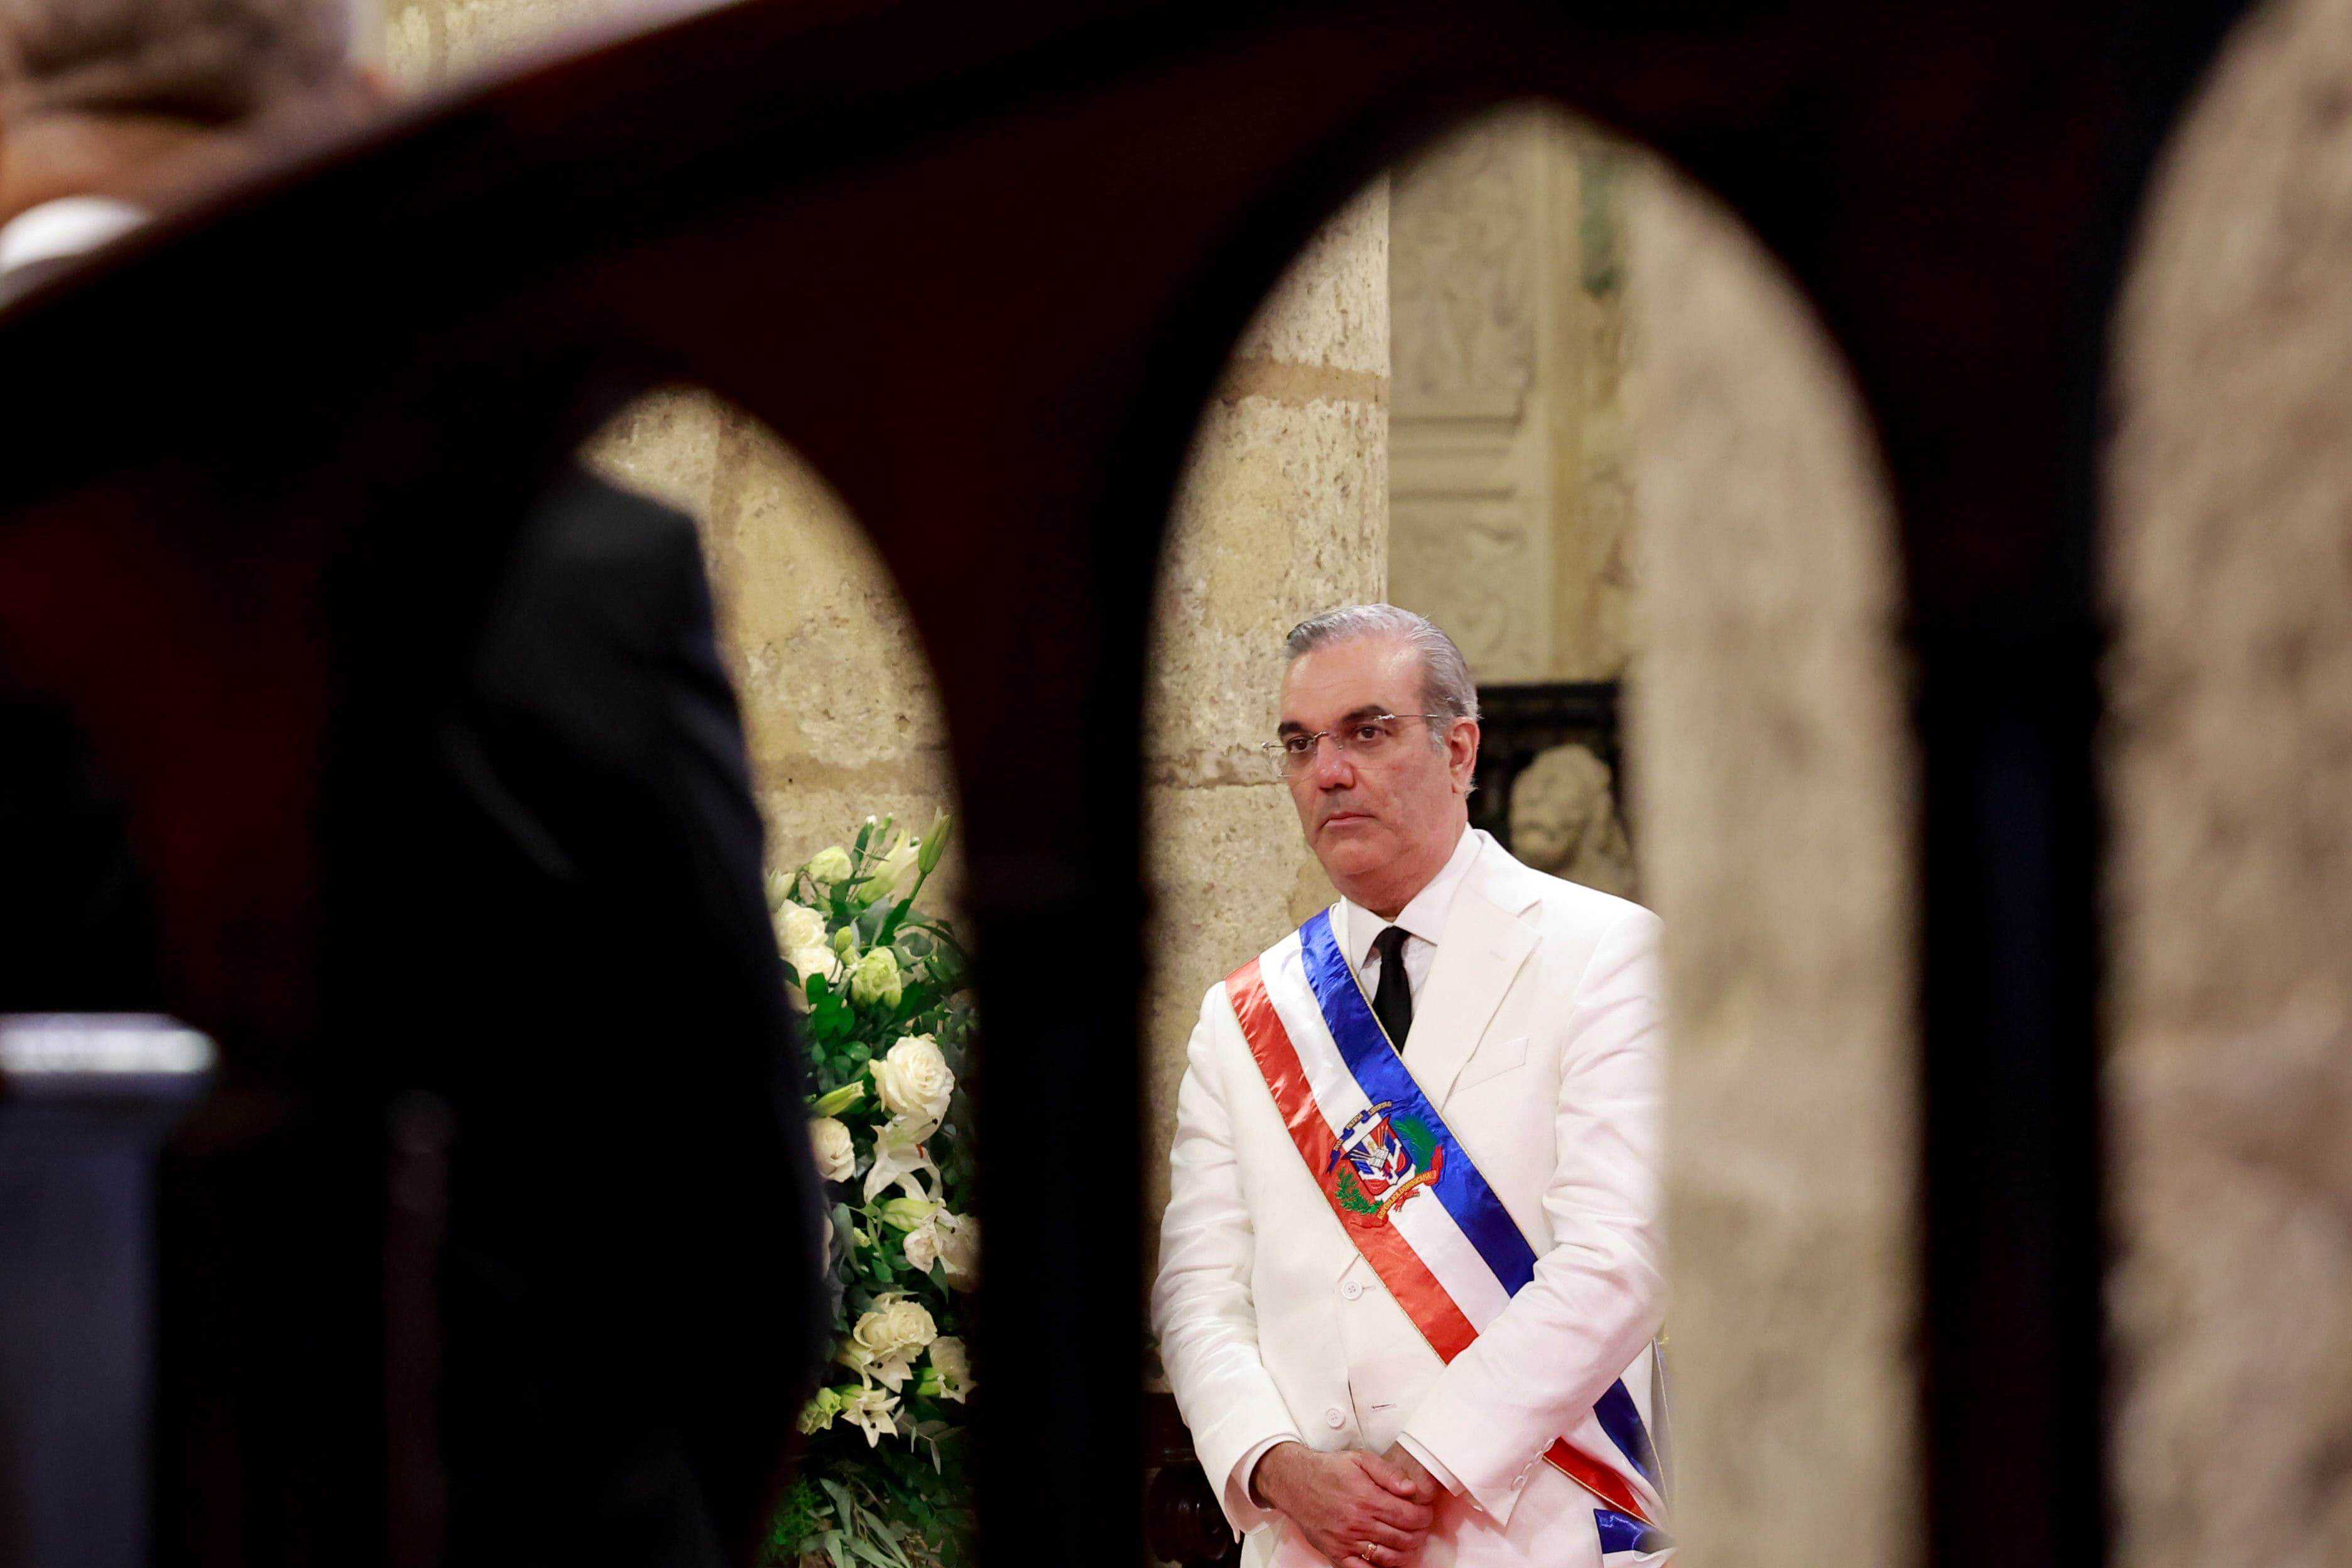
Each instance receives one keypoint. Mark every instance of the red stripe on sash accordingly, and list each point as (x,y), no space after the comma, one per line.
(1416,1290)
(1597,1479)
(1408,1278)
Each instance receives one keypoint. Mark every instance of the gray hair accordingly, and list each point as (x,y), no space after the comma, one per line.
(213,61)
(1446,688)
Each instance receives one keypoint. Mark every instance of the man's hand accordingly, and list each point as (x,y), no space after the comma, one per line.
(1357,1508)
(1426,1486)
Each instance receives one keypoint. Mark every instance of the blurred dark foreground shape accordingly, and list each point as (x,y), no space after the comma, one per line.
(272,468)
(494,1239)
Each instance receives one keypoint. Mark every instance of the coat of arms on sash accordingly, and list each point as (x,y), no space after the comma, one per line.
(1391,1158)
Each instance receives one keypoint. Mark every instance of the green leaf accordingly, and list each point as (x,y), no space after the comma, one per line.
(1351,1194)
(874,1554)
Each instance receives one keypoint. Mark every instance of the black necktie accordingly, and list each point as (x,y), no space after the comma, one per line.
(1392,999)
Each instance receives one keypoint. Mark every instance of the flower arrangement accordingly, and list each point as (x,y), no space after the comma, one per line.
(888,1028)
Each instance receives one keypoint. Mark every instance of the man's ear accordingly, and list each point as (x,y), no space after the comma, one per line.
(1462,751)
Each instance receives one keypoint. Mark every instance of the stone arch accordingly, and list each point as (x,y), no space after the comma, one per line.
(1775,790)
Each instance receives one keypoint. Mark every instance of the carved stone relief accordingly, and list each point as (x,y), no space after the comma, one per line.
(1467,482)
(1462,280)
(1507,458)
(1564,820)
(1466,563)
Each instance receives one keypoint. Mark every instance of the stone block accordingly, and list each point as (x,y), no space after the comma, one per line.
(1332,307)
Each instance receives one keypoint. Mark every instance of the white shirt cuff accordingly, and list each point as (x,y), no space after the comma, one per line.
(1429,1462)
(1243,1511)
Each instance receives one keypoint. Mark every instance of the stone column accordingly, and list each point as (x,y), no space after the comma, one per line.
(2228,1087)
(1283,511)
(1773,785)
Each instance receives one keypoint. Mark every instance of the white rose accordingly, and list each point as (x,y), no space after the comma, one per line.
(912,1078)
(959,1250)
(837,1156)
(829,866)
(873,1411)
(874,979)
(887,1338)
(798,926)
(922,1245)
(895,1324)
(806,961)
(953,1364)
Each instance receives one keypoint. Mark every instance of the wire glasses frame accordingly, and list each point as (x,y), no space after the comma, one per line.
(1364,740)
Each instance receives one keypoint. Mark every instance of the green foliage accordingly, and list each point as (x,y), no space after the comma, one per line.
(894,1496)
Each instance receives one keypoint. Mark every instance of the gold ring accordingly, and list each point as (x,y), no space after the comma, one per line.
(1366,1553)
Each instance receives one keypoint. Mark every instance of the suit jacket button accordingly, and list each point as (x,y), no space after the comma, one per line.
(1352,1290)
(1334,1418)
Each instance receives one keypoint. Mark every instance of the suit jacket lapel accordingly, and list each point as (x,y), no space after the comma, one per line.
(1484,948)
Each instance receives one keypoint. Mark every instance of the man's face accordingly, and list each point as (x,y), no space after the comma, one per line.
(1382,825)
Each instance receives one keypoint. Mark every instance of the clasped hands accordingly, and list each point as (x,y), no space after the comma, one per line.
(1359,1509)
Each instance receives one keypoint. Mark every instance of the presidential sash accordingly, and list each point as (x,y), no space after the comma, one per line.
(1415,1205)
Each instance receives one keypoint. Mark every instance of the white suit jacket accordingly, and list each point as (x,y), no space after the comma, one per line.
(1538,1037)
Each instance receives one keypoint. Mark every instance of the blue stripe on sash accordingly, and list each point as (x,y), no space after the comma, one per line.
(1619,1533)
(1623,1421)
(1381,1074)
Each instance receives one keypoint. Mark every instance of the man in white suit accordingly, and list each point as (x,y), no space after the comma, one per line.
(1409,1275)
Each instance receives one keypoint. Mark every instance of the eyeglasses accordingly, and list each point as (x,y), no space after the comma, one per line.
(1361,741)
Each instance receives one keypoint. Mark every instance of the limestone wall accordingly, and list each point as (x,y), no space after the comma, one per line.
(2230,560)
(838,707)
(1283,512)
(1773,787)
(426,43)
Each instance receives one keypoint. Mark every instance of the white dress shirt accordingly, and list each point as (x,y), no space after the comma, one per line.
(1423,919)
